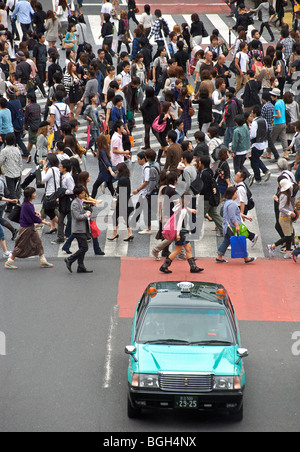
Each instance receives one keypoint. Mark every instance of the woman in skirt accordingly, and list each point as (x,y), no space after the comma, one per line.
(73,85)
(28,242)
(181,241)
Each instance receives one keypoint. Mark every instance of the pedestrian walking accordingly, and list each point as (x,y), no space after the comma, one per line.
(80,228)
(28,242)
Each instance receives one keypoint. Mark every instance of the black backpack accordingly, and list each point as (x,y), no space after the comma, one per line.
(197,184)
(164,28)
(250,204)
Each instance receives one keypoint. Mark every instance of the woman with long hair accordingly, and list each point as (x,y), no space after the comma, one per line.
(181,241)
(28,242)
(286,215)
(124,206)
(52,26)
(185,104)
(73,83)
(106,173)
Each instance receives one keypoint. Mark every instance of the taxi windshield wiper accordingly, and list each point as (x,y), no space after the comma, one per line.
(210,342)
(166,341)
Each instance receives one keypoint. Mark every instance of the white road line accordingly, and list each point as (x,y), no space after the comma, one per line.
(109,348)
(220,25)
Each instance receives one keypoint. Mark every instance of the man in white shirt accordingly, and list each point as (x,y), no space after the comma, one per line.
(125,74)
(58,111)
(106,9)
(116,145)
(242,66)
(68,185)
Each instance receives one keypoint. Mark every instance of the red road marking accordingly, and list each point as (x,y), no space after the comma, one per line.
(192,6)
(267,290)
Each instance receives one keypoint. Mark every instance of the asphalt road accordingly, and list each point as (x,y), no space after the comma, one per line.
(65,367)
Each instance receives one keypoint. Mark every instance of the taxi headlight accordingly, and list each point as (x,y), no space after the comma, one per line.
(149,381)
(227,383)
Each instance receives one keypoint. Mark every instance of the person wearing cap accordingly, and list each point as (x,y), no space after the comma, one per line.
(23,69)
(23,12)
(279,121)
(286,214)
(267,113)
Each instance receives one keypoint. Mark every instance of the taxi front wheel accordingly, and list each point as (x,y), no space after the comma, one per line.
(133,413)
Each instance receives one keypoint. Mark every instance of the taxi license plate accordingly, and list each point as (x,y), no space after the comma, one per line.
(186,402)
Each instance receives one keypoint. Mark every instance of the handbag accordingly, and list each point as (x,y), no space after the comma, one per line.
(169,231)
(95,231)
(67,45)
(191,110)
(197,185)
(15,213)
(159,127)
(49,202)
(88,137)
(238,247)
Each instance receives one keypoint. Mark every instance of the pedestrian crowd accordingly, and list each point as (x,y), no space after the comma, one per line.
(242,107)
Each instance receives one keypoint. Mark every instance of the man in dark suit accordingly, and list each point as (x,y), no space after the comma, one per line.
(80,229)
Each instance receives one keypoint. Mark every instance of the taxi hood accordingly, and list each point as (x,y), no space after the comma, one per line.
(154,358)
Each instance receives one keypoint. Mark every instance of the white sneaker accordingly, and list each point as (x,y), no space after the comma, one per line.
(145,232)
(7,255)
(155,255)
(288,256)
(271,251)
(267,176)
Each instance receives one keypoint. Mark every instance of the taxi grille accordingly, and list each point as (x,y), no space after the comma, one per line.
(186,382)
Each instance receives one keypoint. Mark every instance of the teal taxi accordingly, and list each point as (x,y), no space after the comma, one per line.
(185,350)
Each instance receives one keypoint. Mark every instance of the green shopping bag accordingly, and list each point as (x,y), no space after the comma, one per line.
(243,231)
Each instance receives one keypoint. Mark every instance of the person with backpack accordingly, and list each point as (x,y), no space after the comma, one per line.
(15,107)
(159,30)
(59,115)
(240,146)
(259,142)
(245,200)
(210,192)
(149,187)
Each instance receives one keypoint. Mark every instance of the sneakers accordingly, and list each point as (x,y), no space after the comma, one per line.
(155,255)
(146,231)
(288,256)
(271,250)
(251,180)
(267,176)
(254,241)
(7,255)
(46,265)
(10,266)
(57,241)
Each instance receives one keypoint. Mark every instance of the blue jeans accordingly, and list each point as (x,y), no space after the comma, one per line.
(226,242)
(228,135)
(257,164)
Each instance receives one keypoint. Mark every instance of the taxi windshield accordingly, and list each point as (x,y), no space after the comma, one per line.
(191,326)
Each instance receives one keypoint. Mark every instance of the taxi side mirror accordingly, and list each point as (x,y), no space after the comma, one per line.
(131,350)
(243,353)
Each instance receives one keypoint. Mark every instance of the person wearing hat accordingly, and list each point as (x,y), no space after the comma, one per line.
(286,214)
(23,69)
(279,121)
(267,113)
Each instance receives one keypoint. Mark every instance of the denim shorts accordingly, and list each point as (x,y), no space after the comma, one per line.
(182,241)
(2,235)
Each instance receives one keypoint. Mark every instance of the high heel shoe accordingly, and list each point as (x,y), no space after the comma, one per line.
(129,239)
(113,238)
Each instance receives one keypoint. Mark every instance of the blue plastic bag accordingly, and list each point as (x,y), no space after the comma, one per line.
(238,247)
